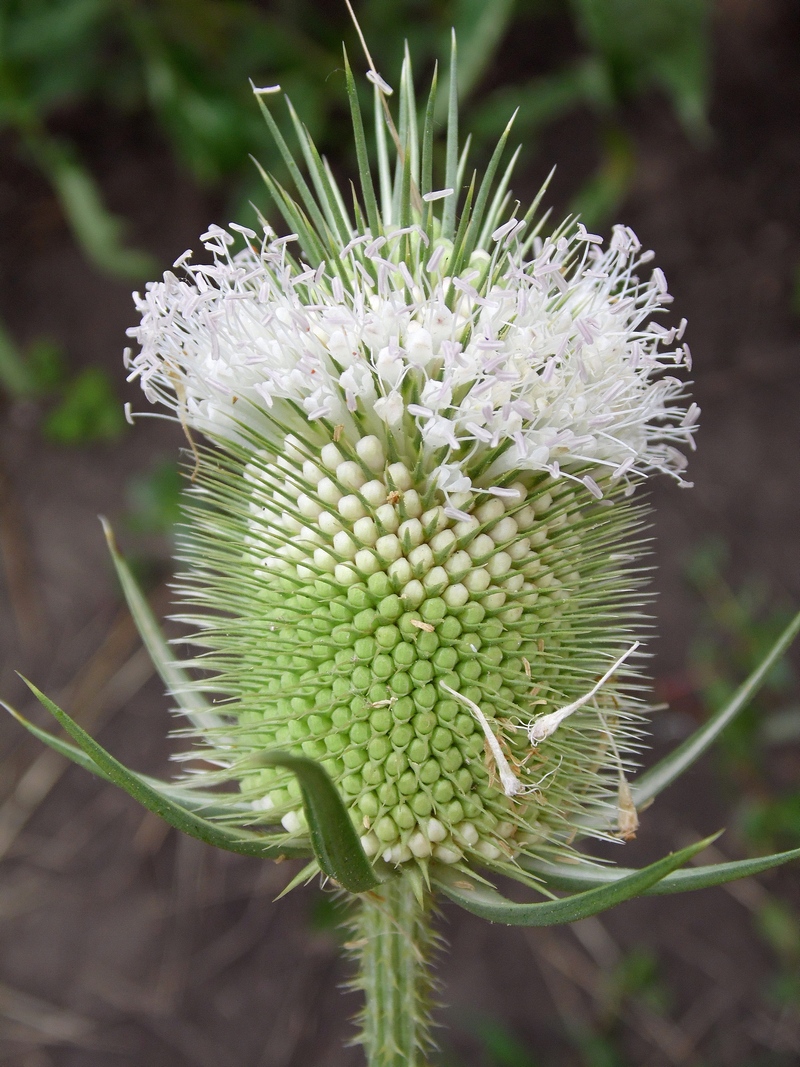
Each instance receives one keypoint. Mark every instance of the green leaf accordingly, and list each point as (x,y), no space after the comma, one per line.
(605,190)
(173,675)
(384,172)
(480,28)
(155,499)
(778,924)
(326,195)
(662,42)
(15,374)
(311,205)
(295,218)
(364,172)
(502,1047)
(196,800)
(156,800)
(333,836)
(476,216)
(89,411)
(426,174)
(582,876)
(96,229)
(489,904)
(33,372)
(653,781)
(451,150)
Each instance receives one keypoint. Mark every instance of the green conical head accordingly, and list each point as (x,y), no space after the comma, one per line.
(410,548)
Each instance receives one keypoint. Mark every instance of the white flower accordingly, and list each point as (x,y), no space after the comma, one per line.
(414,560)
(557,365)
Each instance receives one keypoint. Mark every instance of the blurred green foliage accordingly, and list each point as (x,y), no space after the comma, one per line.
(500,1046)
(635,975)
(735,629)
(154,499)
(180,69)
(76,409)
(88,411)
(185,64)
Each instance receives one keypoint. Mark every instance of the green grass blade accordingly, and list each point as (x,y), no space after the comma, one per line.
(426,174)
(412,137)
(241,841)
(463,228)
(172,674)
(337,193)
(364,172)
(295,218)
(333,836)
(308,198)
(531,212)
(577,877)
(15,373)
(384,169)
(406,179)
(489,904)
(402,149)
(96,229)
(653,781)
(499,202)
(479,42)
(451,149)
(326,196)
(483,192)
(462,165)
(198,801)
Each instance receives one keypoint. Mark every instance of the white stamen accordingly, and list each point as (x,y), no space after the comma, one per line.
(511,784)
(438,194)
(376,79)
(265,90)
(548,724)
(501,231)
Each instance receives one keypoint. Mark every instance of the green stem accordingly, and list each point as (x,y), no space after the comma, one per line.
(393,942)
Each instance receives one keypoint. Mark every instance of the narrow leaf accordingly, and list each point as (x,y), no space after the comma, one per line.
(172,674)
(97,231)
(499,202)
(196,800)
(653,781)
(454,266)
(302,877)
(384,171)
(589,875)
(451,150)
(337,194)
(405,186)
(480,41)
(489,904)
(367,188)
(412,138)
(426,177)
(333,836)
(15,373)
(312,207)
(244,842)
(484,190)
(462,164)
(295,218)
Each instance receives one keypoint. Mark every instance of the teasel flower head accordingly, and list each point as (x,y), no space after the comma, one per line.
(412,549)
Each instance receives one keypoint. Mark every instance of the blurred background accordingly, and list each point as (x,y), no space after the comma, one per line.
(126,128)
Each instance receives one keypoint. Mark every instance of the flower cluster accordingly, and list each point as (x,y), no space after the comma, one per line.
(410,550)
(553,363)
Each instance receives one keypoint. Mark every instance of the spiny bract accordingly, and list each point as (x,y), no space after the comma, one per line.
(412,540)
